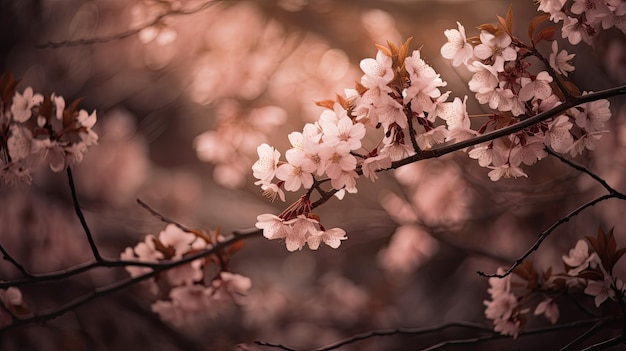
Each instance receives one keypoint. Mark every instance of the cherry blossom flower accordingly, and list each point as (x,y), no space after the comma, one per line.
(271,190)
(548,308)
(331,237)
(489,153)
(506,170)
(378,72)
(374,163)
(495,49)
(537,88)
(431,138)
(579,258)
(574,31)
(344,133)
(560,61)
(23,104)
(592,115)
(600,290)
(19,142)
(177,239)
(558,136)
(273,226)
(457,48)
(265,167)
(585,141)
(87,121)
(424,84)
(51,151)
(530,152)
(297,172)
(551,6)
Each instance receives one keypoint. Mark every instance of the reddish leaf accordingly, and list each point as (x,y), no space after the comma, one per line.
(329,104)
(359,88)
(535,22)
(384,50)
(618,254)
(488,27)
(507,23)
(545,34)
(234,247)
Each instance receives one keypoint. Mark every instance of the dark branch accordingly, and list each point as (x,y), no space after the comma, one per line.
(14,262)
(79,214)
(575,101)
(547,233)
(105,39)
(106,290)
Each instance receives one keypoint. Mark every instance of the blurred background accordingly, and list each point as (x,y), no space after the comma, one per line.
(181,108)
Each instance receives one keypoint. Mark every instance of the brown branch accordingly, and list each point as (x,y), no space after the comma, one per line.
(549,231)
(491,335)
(620,339)
(530,121)
(14,262)
(612,194)
(105,39)
(81,217)
(109,289)
(162,218)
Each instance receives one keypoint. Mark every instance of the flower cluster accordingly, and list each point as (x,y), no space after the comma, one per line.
(504,80)
(181,291)
(583,19)
(36,129)
(588,271)
(397,102)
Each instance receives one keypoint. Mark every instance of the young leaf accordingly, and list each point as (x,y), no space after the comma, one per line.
(329,104)
(545,34)
(384,50)
(535,22)
(507,23)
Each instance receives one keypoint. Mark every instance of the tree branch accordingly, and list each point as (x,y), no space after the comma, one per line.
(79,214)
(131,32)
(575,101)
(439,328)
(106,290)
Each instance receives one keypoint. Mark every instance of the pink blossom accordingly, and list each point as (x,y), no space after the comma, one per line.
(23,104)
(372,164)
(265,167)
(457,48)
(378,72)
(331,237)
(496,49)
(558,136)
(344,133)
(560,61)
(506,170)
(297,172)
(600,290)
(537,88)
(273,226)
(548,308)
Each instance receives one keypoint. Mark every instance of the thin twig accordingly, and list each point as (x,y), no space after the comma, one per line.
(439,328)
(162,218)
(620,339)
(581,168)
(14,262)
(81,217)
(109,289)
(547,233)
(105,39)
(590,332)
(575,101)
(612,194)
